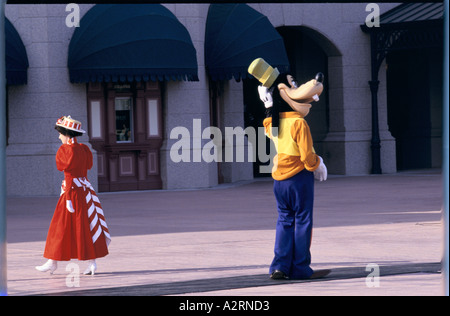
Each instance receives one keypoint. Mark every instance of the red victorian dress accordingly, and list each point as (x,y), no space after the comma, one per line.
(78,228)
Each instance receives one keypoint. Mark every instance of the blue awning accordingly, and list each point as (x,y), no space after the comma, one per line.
(131,42)
(236,35)
(15,56)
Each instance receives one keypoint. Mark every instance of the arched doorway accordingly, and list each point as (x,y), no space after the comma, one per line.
(308,52)
(414,95)
(412,48)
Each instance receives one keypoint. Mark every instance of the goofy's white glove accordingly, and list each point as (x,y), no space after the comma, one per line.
(266,96)
(321,173)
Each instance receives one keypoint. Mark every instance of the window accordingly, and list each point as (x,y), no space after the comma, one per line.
(124,120)
(153,118)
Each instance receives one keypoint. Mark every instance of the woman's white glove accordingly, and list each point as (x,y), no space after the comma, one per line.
(321,173)
(266,96)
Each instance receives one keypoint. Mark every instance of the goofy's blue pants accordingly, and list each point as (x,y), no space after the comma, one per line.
(295,199)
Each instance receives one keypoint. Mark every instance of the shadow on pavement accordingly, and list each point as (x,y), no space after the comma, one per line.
(247,281)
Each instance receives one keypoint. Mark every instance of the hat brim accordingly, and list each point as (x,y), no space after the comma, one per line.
(72,129)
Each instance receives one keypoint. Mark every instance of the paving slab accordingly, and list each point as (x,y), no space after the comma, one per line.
(219,241)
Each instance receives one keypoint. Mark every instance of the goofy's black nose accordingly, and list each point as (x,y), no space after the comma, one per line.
(320,77)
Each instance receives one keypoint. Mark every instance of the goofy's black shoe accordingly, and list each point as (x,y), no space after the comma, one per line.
(279,275)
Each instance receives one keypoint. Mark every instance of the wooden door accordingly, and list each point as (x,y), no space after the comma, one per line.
(126,131)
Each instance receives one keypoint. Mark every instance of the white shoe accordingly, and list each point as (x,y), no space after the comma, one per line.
(92,267)
(50,265)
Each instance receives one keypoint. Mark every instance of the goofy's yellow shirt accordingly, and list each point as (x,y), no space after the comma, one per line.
(294,146)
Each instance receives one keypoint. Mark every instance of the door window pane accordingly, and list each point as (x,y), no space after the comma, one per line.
(96,121)
(153,120)
(124,120)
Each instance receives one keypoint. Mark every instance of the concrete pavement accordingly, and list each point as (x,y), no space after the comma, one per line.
(219,241)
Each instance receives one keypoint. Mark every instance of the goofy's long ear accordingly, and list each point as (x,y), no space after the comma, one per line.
(279,105)
(275,114)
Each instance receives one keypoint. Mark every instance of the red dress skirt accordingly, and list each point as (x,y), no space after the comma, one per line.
(78,229)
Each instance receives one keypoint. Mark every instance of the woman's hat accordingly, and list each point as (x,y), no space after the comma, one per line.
(69,123)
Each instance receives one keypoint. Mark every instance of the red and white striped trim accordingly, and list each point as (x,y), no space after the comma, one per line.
(69,123)
(97,221)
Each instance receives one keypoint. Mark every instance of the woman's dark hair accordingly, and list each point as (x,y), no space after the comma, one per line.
(68,132)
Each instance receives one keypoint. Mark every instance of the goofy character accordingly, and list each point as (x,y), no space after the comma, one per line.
(296,165)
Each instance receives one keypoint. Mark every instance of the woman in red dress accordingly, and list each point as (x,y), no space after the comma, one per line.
(78,228)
